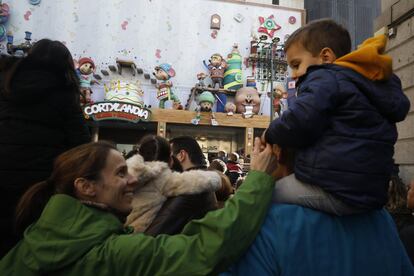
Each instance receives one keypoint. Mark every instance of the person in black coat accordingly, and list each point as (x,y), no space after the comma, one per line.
(40,117)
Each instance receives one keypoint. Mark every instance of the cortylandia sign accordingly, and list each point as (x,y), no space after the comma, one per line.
(116,111)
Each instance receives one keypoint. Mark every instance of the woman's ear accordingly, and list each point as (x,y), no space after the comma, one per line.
(327,55)
(85,187)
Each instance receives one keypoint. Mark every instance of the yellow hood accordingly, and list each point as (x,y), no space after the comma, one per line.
(369,59)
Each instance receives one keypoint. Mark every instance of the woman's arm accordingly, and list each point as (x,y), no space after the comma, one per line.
(206,246)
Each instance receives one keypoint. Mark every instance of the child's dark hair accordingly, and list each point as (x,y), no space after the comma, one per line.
(319,34)
(155,148)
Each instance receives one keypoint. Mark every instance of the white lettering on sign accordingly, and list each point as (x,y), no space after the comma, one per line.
(115,110)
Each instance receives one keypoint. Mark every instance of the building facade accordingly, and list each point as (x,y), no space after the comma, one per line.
(297,4)
(397,21)
(356,15)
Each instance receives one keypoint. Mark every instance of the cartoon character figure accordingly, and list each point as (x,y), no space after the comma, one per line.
(247,101)
(216,67)
(163,73)
(201,76)
(230,108)
(206,102)
(86,67)
(4,12)
(4,17)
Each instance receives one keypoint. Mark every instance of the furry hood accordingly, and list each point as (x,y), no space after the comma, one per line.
(143,171)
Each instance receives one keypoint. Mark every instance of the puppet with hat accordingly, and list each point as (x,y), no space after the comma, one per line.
(163,73)
(86,68)
(206,102)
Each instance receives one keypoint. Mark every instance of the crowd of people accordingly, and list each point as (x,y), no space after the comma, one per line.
(312,202)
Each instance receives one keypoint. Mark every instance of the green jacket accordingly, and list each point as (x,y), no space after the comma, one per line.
(73,239)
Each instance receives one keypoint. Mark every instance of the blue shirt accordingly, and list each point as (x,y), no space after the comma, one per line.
(299,241)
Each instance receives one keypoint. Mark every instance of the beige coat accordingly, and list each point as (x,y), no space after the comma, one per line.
(156,182)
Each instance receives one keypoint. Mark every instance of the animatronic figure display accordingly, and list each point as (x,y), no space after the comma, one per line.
(247,101)
(163,73)
(4,17)
(230,108)
(201,76)
(86,67)
(233,73)
(216,67)
(206,102)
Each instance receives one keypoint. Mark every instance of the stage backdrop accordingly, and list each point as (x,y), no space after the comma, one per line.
(149,32)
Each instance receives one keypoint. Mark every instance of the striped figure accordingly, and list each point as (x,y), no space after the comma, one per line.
(233,74)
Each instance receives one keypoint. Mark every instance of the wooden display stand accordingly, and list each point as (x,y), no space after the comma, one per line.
(164,116)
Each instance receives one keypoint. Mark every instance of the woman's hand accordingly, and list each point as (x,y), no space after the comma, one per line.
(263,158)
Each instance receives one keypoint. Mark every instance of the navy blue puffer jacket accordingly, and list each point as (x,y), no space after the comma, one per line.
(344,127)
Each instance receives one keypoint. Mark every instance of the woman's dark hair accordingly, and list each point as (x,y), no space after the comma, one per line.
(155,148)
(45,55)
(85,161)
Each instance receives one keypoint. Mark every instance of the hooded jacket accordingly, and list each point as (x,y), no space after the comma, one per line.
(177,211)
(344,125)
(73,239)
(39,119)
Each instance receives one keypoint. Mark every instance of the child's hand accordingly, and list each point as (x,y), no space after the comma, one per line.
(263,160)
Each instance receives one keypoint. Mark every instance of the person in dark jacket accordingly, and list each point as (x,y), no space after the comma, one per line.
(295,240)
(343,121)
(176,212)
(40,118)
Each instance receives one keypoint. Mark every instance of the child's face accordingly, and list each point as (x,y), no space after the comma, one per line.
(299,59)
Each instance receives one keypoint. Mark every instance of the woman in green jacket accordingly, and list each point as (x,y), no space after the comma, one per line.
(80,232)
